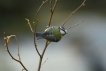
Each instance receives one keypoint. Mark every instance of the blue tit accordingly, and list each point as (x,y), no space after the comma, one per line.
(52,34)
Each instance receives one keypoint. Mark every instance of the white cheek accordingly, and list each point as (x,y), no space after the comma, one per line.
(62,32)
(66,31)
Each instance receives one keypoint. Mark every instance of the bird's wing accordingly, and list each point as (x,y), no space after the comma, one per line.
(49,31)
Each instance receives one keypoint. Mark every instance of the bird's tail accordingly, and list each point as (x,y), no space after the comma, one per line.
(39,35)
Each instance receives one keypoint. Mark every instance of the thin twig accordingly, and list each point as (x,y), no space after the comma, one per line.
(34,36)
(18,49)
(41,58)
(7,49)
(74,25)
(83,3)
(29,24)
(36,17)
(35,25)
(19,54)
(55,5)
(36,44)
(44,62)
(52,11)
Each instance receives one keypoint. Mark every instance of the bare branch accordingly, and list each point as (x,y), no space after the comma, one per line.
(34,32)
(52,11)
(35,43)
(7,39)
(29,25)
(55,5)
(41,58)
(35,25)
(83,3)
(19,54)
(18,49)
(74,25)
(47,43)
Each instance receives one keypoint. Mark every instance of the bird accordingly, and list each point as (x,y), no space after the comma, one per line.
(52,33)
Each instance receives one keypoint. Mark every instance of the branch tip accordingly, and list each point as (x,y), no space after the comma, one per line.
(73,12)
(29,25)
(74,25)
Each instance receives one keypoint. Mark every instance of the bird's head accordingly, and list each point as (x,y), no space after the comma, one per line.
(63,31)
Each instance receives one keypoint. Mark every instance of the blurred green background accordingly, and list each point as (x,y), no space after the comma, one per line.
(82,49)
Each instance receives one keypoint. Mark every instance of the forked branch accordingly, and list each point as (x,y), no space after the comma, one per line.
(35,25)
(34,32)
(83,3)
(7,39)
